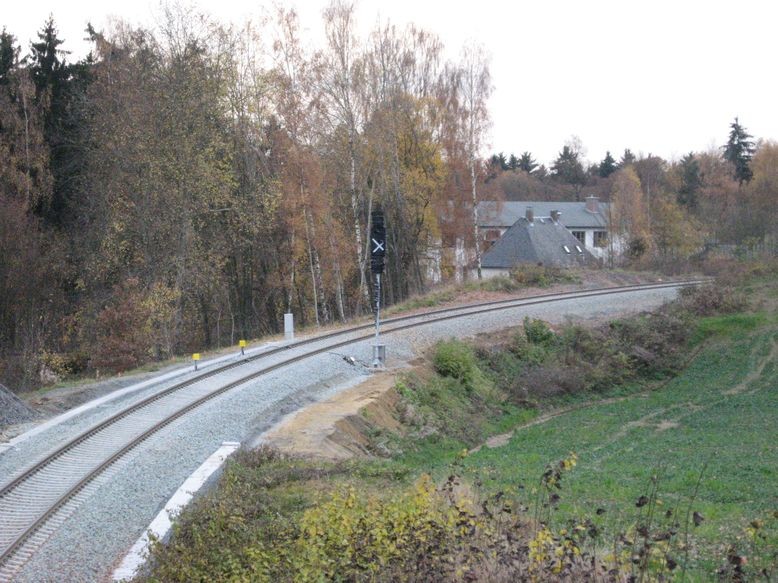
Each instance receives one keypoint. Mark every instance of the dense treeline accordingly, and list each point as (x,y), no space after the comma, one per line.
(184,187)
(666,210)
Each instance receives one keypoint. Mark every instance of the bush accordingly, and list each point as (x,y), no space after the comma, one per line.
(122,330)
(540,276)
(526,351)
(539,363)
(729,271)
(499,283)
(351,538)
(655,343)
(547,381)
(712,300)
(456,360)
(538,332)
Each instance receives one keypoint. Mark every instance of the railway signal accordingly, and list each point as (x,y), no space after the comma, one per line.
(377,255)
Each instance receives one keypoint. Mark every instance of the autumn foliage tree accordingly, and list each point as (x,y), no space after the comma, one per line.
(629,222)
(184,187)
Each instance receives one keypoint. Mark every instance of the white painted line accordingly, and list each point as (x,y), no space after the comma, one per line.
(161,525)
(54,421)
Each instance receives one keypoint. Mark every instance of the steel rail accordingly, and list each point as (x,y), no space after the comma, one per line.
(5,488)
(25,474)
(474,309)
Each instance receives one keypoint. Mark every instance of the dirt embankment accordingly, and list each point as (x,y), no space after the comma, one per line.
(338,427)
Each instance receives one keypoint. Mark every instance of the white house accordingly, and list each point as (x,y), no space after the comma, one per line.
(587,221)
(535,241)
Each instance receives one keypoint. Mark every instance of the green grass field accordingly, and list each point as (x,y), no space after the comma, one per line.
(720,414)
(719,417)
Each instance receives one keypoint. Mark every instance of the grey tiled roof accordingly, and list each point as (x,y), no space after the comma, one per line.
(540,242)
(574,214)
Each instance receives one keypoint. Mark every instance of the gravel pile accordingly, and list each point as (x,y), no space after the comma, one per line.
(101,530)
(12,409)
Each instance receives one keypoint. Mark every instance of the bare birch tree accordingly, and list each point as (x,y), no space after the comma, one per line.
(476,87)
(340,80)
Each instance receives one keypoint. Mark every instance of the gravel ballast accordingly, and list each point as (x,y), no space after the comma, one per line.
(98,534)
(12,409)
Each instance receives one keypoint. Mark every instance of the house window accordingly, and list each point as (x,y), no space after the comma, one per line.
(600,238)
(578,248)
(566,248)
(581,236)
(492,235)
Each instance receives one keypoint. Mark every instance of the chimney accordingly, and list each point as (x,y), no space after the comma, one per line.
(592,204)
(530,215)
(555,216)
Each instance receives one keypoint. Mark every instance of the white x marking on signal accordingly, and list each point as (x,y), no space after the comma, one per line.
(379,246)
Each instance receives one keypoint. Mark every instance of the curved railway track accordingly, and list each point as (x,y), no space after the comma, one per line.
(37,501)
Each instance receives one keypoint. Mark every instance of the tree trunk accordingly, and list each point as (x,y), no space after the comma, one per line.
(319,301)
(338,280)
(361,257)
(26,143)
(475,216)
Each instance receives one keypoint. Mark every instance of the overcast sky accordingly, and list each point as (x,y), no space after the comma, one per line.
(657,76)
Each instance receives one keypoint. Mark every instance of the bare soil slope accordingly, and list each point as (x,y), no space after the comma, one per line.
(336,428)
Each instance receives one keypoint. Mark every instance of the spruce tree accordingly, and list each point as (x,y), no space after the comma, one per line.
(691,181)
(739,151)
(527,163)
(627,158)
(513,162)
(607,166)
(7,56)
(60,88)
(499,161)
(568,168)
(48,71)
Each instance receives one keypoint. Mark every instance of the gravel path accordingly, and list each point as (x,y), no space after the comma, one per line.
(98,533)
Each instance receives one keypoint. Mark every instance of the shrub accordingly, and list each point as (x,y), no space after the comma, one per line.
(122,330)
(655,343)
(526,351)
(711,300)
(540,275)
(549,381)
(456,360)
(729,271)
(538,332)
(498,283)
(350,538)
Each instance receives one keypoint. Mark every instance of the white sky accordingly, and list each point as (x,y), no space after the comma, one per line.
(657,76)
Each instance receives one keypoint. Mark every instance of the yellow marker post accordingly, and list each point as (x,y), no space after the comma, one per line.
(242,344)
(196,357)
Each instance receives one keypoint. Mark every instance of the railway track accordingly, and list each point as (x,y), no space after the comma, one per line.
(38,500)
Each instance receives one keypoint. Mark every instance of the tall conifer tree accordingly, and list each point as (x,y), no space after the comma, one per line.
(739,151)
(607,166)
(527,163)
(691,181)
